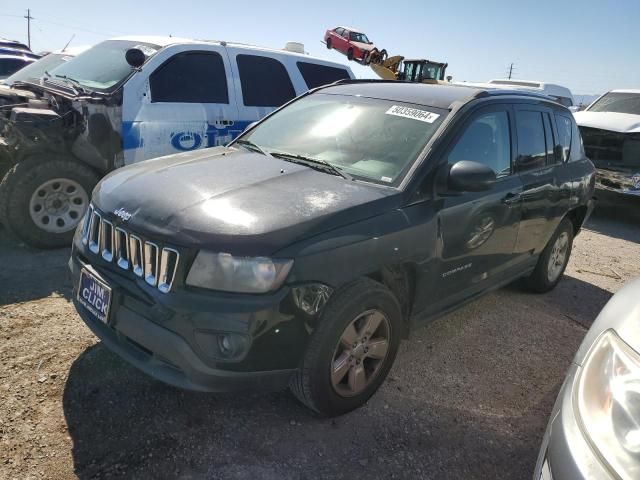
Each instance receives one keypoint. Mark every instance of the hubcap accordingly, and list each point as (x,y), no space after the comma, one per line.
(360,353)
(558,257)
(57,205)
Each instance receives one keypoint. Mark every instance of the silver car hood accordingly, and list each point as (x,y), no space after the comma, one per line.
(613,121)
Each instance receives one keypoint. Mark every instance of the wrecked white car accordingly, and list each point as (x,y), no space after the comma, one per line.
(131,99)
(610,129)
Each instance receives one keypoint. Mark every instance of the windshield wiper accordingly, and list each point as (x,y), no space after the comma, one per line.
(252,146)
(75,84)
(316,163)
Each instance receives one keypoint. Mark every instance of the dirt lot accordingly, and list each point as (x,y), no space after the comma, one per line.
(468,397)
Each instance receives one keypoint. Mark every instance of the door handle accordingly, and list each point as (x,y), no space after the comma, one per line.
(511,198)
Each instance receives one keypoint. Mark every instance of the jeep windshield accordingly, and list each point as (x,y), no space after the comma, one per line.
(103,67)
(367,139)
(619,102)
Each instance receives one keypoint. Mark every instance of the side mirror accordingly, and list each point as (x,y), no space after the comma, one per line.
(467,176)
(574,108)
(135,57)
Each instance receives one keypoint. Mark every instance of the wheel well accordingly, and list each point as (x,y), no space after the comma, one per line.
(400,279)
(577,216)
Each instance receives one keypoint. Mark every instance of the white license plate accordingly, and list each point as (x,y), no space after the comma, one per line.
(95,295)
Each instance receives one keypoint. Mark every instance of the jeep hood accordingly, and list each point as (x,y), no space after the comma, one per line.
(235,201)
(616,122)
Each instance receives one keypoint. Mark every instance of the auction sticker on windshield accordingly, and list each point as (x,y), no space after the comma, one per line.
(414,113)
(94,295)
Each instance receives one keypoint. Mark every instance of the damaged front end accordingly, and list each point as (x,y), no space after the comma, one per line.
(616,156)
(59,122)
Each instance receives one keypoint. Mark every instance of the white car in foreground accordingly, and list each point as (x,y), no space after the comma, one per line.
(594,429)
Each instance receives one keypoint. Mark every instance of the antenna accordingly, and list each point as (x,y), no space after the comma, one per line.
(70,40)
(29,18)
(510,70)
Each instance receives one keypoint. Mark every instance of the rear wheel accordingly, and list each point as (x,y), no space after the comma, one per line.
(352,349)
(553,260)
(42,201)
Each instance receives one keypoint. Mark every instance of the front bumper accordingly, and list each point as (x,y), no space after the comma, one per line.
(565,452)
(168,336)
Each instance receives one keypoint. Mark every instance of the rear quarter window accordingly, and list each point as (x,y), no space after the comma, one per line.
(317,75)
(565,132)
(264,81)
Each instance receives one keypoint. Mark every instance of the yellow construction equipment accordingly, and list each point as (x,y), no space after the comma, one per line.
(416,70)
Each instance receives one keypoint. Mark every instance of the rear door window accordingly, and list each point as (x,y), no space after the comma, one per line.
(531,140)
(316,75)
(564,127)
(190,77)
(265,81)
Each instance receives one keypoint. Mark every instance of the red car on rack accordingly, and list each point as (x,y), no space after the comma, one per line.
(354,44)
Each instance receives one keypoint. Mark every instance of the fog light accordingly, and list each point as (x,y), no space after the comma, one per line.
(312,297)
(225,344)
(231,345)
(222,346)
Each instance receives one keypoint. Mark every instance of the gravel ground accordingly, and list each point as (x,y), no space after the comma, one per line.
(468,397)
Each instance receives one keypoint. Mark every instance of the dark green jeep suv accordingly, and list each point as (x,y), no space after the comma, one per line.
(301,253)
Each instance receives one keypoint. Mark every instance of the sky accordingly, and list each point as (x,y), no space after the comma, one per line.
(589,46)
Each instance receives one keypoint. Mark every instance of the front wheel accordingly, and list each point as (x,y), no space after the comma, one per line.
(329,43)
(352,349)
(42,201)
(350,54)
(553,260)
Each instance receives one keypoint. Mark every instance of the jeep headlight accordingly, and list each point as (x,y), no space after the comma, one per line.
(223,271)
(608,402)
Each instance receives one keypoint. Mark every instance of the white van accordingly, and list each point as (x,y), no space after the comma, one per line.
(559,93)
(130,99)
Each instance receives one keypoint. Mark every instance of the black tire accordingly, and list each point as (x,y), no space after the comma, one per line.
(329,43)
(539,281)
(311,383)
(383,55)
(22,181)
(350,54)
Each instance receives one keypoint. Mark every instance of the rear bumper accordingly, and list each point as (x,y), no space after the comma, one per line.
(146,336)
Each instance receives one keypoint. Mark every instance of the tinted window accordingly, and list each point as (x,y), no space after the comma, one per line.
(531,140)
(486,140)
(548,133)
(190,77)
(339,31)
(265,81)
(316,75)
(10,65)
(564,126)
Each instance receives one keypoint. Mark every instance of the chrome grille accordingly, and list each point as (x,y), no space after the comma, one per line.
(129,252)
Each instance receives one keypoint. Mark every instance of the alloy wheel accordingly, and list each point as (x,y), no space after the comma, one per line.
(558,257)
(360,353)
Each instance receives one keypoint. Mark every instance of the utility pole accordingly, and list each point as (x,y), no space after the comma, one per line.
(29,18)
(510,70)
